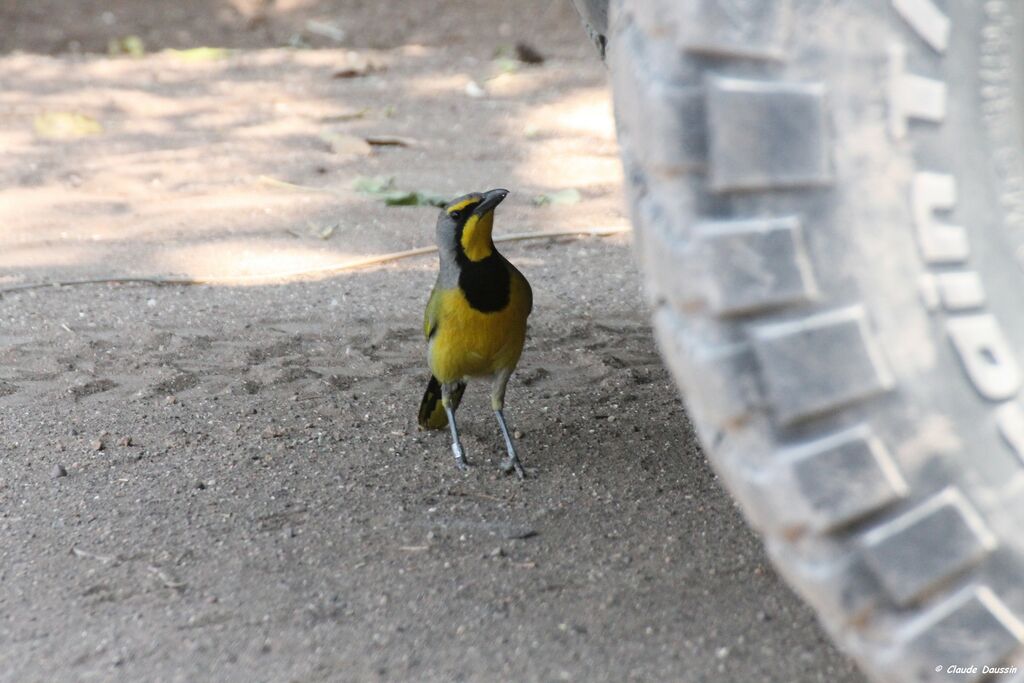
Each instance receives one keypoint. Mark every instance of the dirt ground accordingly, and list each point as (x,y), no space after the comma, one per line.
(226,482)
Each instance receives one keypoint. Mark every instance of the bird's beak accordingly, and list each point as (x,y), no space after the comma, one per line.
(491,199)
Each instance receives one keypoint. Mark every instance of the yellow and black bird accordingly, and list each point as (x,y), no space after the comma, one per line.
(475,321)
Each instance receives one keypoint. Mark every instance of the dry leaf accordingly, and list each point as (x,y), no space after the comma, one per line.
(357,66)
(528,54)
(348,116)
(390,141)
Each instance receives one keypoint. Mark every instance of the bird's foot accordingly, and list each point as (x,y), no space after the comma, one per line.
(460,457)
(512,464)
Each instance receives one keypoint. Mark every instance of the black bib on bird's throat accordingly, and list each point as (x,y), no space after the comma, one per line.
(486,283)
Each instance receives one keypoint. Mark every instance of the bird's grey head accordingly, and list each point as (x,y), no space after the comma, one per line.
(465,224)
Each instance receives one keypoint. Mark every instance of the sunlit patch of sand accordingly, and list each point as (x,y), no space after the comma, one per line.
(250,261)
(585,111)
(46,256)
(578,130)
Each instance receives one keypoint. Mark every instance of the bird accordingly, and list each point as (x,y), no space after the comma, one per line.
(475,321)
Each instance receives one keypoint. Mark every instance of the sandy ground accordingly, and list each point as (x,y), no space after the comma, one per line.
(247,497)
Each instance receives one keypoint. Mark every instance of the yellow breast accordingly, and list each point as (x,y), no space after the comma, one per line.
(471,343)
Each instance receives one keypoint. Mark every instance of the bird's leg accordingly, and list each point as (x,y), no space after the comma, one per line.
(446,401)
(511,463)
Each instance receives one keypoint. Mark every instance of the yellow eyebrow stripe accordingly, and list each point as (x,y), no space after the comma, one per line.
(462,205)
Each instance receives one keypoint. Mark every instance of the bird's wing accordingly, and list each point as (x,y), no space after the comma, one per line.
(529,294)
(432,314)
(527,290)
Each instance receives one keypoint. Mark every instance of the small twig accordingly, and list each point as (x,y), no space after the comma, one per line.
(355,264)
(165,578)
(295,187)
(105,559)
(158,281)
(484,496)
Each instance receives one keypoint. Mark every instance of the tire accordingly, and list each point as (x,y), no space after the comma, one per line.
(594,14)
(829,207)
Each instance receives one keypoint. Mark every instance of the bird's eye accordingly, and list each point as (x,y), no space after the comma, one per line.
(456,215)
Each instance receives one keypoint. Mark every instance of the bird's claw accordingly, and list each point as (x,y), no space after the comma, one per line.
(512,464)
(460,457)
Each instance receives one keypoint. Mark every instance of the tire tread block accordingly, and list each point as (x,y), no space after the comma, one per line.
(971,627)
(735,28)
(766,135)
(818,363)
(754,265)
(917,552)
(845,476)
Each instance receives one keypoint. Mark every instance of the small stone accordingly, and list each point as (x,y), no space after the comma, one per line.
(518,434)
(97,444)
(722,652)
(58,471)
(498,552)
(200,485)
(473,89)
(124,441)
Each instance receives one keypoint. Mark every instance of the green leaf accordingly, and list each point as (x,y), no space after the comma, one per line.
(129,45)
(560,198)
(374,184)
(399,198)
(201,54)
(384,187)
(506,65)
(64,125)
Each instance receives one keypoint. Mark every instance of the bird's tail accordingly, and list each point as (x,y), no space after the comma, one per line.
(432,415)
